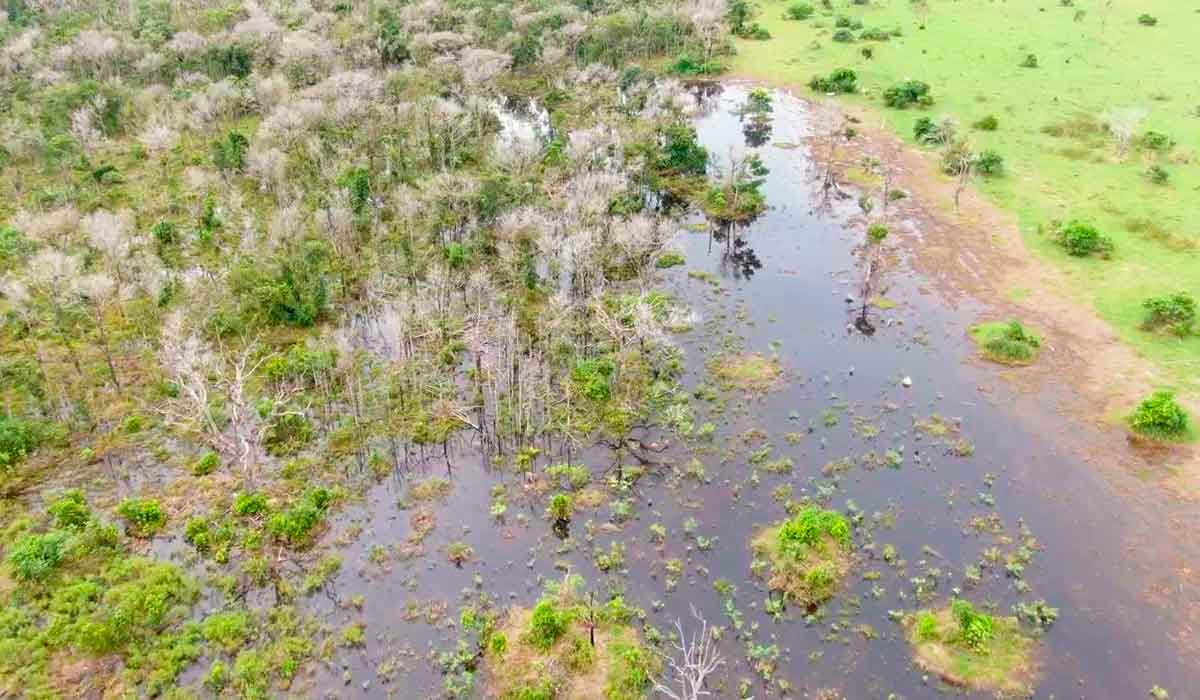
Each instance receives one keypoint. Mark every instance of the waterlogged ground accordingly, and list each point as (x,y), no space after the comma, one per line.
(970,469)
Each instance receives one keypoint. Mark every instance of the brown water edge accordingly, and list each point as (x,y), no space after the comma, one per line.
(1098,557)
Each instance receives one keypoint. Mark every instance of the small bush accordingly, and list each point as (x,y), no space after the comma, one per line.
(1160,417)
(875,35)
(1081,240)
(1176,312)
(931,133)
(1010,342)
(669,259)
(1157,175)
(1147,20)
(34,557)
(206,464)
(975,629)
(295,525)
(1030,61)
(798,11)
(18,438)
(70,511)
(249,504)
(988,123)
(561,508)
(229,153)
(547,624)
(841,81)
(143,516)
(843,36)
(989,163)
(1156,141)
(907,94)
(809,527)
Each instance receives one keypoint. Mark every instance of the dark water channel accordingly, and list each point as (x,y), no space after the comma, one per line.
(1093,559)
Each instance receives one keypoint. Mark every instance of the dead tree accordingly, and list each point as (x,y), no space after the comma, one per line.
(696,658)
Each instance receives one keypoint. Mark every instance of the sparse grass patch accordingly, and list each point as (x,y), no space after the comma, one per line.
(1008,343)
(748,371)
(807,555)
(972,649)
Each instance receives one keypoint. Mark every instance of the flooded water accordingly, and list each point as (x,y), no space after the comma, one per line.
(840,408)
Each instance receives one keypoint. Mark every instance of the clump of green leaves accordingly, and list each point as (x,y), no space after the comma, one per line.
(547,624)
(908,93)
(35,557)
(809,527)
(18,438)
(143,516)
(798,11)
(988,123)
(1082,239)
(841,81)
(975,628)
(1174,312)
(1160,417)
(1007,342)
(295,525)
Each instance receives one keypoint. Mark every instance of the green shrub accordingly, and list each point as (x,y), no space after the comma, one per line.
(143,516)
(70,511)
(875,34)
(681,152)
(798,11)
(876,233)
(809,527)
(300,364)
(561,508)
(34,557)
(1082,239)
(988,123)
(206,464)
(1160,417)
(229,153)
(927,625)
(592,378)
(249,504)
(18,438)
(390,39)
(226,61)
(547,624)
(14,247)
(975,629)
(227,630)
(841,81)
(299,293)
(907,94)
(931,133)
(1012,342)
(295,525)
(1157,174)
(1174,311)
(1156,141)
(1030,61)
(843,36)
(629,677)
(1147,20)
(989,163)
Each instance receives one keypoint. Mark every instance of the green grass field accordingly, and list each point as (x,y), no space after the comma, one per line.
(1093,57)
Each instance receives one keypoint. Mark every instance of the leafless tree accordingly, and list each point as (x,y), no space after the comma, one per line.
(1123,124)
(696,659)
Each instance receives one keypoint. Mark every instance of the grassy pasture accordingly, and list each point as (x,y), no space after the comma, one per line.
(1062,163)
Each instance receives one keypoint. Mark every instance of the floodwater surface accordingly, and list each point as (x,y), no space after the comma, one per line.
(788,287)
